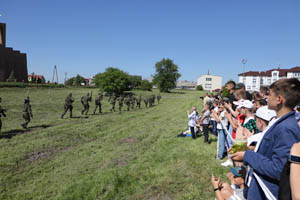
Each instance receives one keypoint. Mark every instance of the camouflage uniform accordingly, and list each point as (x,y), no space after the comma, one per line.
(158,98)
(121,100)
(85,102)
(150,101)
(68,105)
(132,103)
(127,102)
(138,102)
(146,102)
(98,100)
(112,101)
(27,112)
(2,113)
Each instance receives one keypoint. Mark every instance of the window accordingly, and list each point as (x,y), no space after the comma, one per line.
(208,79)
(207,86)
(248,87)
(261,81)
(269,81)
(275,74)
(254,80)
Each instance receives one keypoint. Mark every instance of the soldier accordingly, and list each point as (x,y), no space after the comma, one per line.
(146,102)
(138,102)
(112,100)
(150,100)
(153,98)
(27,112)
(127,102)
(68,105)
(2,113)
(98,100)
(158,98)
(85,102)
(121,100)
(132,100)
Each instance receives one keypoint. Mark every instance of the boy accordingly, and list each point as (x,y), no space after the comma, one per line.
(205,121)
(192,121)
(274,148)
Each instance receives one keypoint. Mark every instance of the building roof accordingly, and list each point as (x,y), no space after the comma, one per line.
(36,76)
(282,72)
(186,84)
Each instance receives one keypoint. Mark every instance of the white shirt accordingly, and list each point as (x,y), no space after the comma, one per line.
(223,120)
(216,110)
(192,119)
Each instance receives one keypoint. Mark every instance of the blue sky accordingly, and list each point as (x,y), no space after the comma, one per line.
(85,37)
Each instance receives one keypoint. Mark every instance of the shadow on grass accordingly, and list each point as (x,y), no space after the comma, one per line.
(10,134)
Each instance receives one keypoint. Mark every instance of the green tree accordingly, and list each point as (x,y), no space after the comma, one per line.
(11,77)
(199,87)
(135,81)
(70,81)
(113,80)
(78,80)
(166,75)
(146,85)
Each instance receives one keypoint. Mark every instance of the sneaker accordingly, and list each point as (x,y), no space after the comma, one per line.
(228,163)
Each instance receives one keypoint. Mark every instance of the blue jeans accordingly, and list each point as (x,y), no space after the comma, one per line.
(214,127)
(221,143)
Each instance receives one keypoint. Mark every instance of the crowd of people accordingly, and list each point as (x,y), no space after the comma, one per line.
(258,135)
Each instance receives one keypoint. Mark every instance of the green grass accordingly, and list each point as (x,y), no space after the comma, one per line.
(133,155)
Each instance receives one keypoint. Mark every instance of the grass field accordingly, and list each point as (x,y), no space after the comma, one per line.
(133,155)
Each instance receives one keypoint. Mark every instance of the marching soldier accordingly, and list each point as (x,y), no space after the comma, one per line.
(27,112)
(146,102)
(98,100)
(127,102)
(150,101)
(132,102)
(153,98)
(2,113)
(121,100)
(112,101)
(68,105)
(158,98)
(85,102)
(138,102)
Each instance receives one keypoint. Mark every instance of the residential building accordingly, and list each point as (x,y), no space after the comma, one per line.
(186,85)
(33,78)
(210,82)
(254,79)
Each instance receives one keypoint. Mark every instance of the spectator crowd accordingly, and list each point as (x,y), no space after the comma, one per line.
(258,138)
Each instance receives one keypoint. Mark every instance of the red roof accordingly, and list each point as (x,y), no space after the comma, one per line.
(36,76)
(282,72)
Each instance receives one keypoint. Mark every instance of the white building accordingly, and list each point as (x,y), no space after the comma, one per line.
(210,82)
(254,79)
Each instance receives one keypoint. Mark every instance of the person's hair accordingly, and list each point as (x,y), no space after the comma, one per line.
(240,94)
(231,82)
(266,122)
(262,102)
(264,90)
(289,89)
(256,96)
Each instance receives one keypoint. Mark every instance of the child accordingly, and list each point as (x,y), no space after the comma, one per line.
(205,121)
(274,148)
(192,121)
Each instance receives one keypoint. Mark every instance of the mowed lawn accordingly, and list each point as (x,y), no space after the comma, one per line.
(133,155)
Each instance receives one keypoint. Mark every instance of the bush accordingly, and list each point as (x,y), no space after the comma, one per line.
(23,85)
(146,85)
(199,88)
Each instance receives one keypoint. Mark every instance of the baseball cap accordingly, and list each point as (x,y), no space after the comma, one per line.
(245,104)
(265,113)
(238,171)
(239,86)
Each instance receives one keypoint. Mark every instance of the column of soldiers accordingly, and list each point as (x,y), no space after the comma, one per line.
(130,101)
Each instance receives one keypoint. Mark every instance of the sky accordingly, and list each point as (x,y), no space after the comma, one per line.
(86,37)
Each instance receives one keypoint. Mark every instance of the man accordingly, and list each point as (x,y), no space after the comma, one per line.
(274,148)
(158,98)
(146,102)
(2,113)
(68,105)
(138,102)
(98,100)
(230,86)
(206,99)
(127,102)
(241,86)
(85,102)
(112,100)
(27,112)
(121,100)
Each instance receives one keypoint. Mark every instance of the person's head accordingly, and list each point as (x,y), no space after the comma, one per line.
(246,107)
(239,174)
(264,91)
(70,94)
(215,104)
(263,116)
(207,106)
(240,86)
(256,96)
(206,94)
(284,93)
(240,94)
(230,86)
(259,103)
(194,108)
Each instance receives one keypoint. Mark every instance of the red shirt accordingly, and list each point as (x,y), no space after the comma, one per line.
(241,119)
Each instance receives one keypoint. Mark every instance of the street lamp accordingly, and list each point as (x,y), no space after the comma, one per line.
(244,61)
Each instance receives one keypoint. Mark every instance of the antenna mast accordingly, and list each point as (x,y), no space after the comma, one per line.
(55,75)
